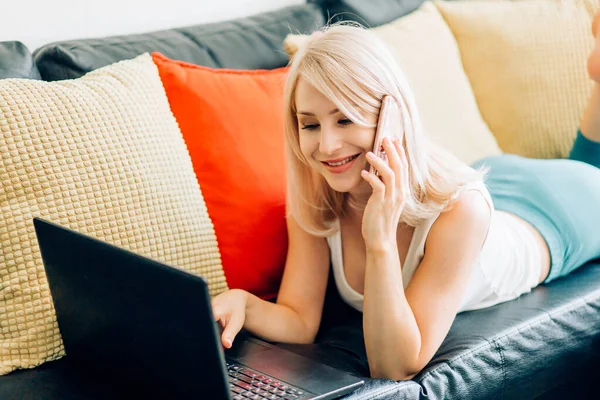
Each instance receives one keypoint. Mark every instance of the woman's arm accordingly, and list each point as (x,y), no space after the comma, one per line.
(296,316)
(404,329)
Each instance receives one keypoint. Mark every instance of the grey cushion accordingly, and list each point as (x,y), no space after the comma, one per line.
(254,42)
(369,13)
(16,61)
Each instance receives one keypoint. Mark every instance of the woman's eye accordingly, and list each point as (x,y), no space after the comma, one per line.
(345,121)
(309,127)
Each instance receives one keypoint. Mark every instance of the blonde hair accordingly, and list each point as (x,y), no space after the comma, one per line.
(350,66)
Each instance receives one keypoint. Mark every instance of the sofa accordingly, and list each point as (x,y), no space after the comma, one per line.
(545,344)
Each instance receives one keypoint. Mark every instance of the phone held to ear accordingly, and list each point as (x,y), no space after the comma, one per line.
(389,124)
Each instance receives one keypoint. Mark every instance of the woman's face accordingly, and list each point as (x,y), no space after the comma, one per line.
(334,146)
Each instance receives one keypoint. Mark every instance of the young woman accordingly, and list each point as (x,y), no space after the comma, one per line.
(426,239)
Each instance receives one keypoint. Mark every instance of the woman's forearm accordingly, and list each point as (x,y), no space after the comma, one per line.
(275,322)
(392,336)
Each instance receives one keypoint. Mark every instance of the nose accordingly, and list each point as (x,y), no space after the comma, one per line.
(329,141)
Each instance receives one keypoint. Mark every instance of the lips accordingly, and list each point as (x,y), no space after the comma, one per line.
(340,161)
(340,165)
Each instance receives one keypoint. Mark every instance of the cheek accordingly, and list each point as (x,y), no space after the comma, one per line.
(366,135)
(307,146)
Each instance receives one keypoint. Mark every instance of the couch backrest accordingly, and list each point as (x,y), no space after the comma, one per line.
(254,42)
(16,61)
(370,13)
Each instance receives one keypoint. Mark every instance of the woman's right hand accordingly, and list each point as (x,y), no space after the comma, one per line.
(229,309)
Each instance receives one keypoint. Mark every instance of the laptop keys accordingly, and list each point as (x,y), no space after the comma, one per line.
(247,384)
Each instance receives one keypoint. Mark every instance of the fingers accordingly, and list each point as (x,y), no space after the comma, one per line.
(224,317)
(232,328)
(376,183)
(401,152)
(385,172)
(229,309)
(394,177)
(393,152)
(218,312)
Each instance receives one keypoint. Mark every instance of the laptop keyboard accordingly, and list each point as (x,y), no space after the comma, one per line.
(248,384)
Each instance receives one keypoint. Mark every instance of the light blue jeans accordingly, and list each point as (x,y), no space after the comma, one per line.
(559,197)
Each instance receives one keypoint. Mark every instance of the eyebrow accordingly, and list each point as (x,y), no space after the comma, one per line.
(312,115)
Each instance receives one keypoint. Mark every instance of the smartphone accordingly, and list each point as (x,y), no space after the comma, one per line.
(389,124)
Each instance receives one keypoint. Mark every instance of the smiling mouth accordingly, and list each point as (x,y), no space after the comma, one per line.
(342,162)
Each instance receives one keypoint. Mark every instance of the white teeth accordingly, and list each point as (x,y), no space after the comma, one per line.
(337,164)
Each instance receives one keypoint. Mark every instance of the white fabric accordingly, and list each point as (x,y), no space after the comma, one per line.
(505,269)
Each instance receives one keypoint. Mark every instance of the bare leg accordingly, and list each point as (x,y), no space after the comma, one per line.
(590,124)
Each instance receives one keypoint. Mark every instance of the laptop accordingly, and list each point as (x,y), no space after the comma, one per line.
(150,327)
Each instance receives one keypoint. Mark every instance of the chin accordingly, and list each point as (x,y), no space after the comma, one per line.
(344,185)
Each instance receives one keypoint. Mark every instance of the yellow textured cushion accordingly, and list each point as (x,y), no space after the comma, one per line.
(424,47)
(103,155)
(526,61)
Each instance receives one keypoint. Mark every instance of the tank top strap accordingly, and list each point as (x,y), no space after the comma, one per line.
(482,188)
(416,249)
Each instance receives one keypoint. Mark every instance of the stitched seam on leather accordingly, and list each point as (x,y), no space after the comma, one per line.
(503,366)
(465,354)
(536,321)
(377,393)
(548,316)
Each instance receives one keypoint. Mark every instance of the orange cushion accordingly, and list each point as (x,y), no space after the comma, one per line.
(232,123)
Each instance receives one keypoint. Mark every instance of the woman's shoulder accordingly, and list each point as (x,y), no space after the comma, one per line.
(471,211)
(472,192)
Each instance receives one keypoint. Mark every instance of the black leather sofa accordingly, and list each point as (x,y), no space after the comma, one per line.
(545,344)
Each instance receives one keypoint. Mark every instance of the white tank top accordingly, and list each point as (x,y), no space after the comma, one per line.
(506,268)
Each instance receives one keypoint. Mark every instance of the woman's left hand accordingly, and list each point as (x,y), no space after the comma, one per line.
(383,210)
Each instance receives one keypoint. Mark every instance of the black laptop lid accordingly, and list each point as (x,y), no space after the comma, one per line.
(149,325)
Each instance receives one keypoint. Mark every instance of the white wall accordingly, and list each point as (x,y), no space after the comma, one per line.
(37,22)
